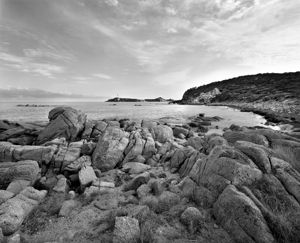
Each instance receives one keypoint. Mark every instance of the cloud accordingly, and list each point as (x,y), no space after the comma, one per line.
(43,53)
(102,76)
(24,64)
(112,2)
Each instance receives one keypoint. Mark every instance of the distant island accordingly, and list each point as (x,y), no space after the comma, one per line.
(159,99)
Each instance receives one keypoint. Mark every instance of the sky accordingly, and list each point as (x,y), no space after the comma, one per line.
(143,48)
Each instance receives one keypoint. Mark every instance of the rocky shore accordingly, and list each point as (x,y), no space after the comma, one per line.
(78,180)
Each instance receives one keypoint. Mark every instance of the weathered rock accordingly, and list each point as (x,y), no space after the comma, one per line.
(5,195)
(135,167)
(107,201)
(257,153)
(88,129)
(143,191)
(67,155)
(134,148)
(61,185)
(16,209)
(149,147)
(87,175)
(195,142)
(1,235)
(99,129)
(126,230)
(10,152)
(239,215)
(22,140)
(67,208)
(17,186)
(110,149)
(79,163)
(64,122)
(137,181)
(88,148)
(27,170)
(180,130)
(249,136)
(162,133)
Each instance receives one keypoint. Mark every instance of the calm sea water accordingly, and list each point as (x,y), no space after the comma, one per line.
(175,114)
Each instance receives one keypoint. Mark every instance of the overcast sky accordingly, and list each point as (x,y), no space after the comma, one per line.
(143,48)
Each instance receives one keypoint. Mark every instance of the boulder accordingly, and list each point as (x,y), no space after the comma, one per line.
(87,175)
(88,129)
(195,142)
(249,136)
(63,122)
(162,133)
(257,153)
(5,195)
(134,148)
(17,186)
(79,163)
(61,185)
(66,155)
(110,149)
(135,167)
(88,148)
(99,129)
(180,130)
(16,209)
(126,230)
(149,147)
(27,170)
(137,181)
(10,152)
(239,215)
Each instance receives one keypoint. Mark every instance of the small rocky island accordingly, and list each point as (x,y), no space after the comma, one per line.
(159,99)
(80,180)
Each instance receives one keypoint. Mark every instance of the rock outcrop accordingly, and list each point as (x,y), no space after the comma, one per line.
(63,122)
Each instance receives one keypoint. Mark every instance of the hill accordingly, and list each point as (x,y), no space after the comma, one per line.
(277,96)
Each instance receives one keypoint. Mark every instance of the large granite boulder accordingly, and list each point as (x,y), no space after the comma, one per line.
(11,153)
(63,122)
(16,209)
(239,215)
(27,170)
(134,148)
(126,230)
(110,148)
(160,133)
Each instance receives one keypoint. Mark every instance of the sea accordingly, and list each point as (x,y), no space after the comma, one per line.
(159,111)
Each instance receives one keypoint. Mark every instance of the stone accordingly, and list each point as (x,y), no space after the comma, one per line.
(79,163)
(256,153)
(126,230)
(87,175)
(137,181)
(88,129)
(17,186)
(61,185)
(5,195)
(67,155)
(134,148)
(27,170)
(162,133)
(63,122)
(149,147)
(239,215)
(110,149)
(88,148)
(14,211)
(99,129)
(135,167)
(1,235)
(249,136)
(180,130)
(67,208)
(11,153)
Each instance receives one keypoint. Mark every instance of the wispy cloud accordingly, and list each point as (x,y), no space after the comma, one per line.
(101,75)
